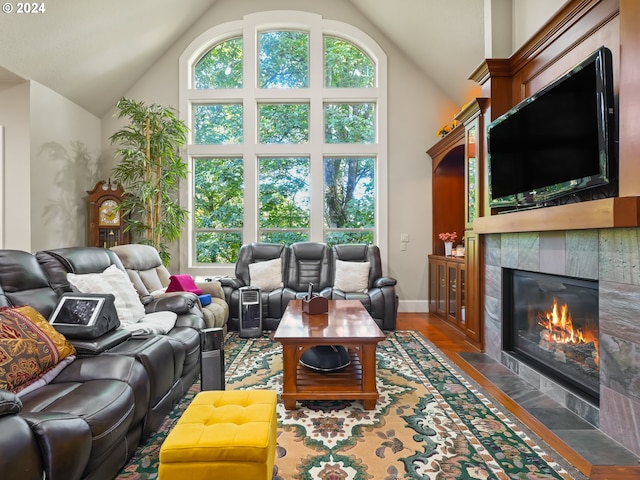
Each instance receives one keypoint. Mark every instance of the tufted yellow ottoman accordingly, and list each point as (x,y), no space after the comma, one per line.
(223,434)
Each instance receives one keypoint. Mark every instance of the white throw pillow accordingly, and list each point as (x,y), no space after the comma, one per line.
(266,275)
(352,276)
(115,281)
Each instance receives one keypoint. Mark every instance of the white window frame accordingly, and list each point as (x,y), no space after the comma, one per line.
(315,94)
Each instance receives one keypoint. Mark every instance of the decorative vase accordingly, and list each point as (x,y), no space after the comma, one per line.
(448,249)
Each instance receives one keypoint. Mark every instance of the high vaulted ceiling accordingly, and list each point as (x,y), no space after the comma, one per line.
(93,51)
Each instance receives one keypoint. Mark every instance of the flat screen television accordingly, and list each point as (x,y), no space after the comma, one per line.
(559,145)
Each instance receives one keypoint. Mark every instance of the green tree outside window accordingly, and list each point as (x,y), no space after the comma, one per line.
(283,119)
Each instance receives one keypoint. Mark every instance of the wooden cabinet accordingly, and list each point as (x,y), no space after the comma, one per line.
(471,172)
(475,190)
(448,197)
(447,289)
(459,187)
(473,304)
(471,116)
(437,282)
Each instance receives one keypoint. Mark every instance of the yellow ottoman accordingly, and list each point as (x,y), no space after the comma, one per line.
(223,434)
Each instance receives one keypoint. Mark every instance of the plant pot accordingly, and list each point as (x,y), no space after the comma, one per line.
(448,249)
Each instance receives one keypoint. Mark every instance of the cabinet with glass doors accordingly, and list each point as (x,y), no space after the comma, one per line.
(447,282)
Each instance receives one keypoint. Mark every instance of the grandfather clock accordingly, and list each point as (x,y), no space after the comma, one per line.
(106,225)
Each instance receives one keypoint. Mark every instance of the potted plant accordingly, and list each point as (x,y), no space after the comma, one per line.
(150,171)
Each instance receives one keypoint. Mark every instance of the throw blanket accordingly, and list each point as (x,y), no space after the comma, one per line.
(157,323)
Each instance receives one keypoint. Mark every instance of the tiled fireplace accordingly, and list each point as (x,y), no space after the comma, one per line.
(550,323)
(608,259)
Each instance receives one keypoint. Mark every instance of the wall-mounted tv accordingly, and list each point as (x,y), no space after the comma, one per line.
(560,144)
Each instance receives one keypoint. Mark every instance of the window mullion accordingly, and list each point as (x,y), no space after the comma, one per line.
(316,133)
(250,125)
(316,95)
(316,233)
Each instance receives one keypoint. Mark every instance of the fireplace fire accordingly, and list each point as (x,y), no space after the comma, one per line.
(559,336)
(554,327)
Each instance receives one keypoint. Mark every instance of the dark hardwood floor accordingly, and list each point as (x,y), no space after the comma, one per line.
(450,341)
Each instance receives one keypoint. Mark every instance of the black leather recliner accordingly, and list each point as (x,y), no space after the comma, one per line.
(88,420)
(380,299)
(309,263)
(312,262)
(272,307)
(184,338)
(84,424)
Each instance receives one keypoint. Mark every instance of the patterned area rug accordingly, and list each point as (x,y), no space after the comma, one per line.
(430,422)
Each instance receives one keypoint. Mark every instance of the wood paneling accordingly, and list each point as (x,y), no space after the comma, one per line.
(629,105)
(606,213)
(578,29)
(575,31)
(451,191)
(473,325)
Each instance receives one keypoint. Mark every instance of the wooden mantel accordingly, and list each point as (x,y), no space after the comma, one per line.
(577,29)
(615,212)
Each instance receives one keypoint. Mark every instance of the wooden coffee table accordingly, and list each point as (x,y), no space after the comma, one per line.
(346,323)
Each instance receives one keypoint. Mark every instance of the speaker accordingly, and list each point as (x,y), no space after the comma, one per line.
(250,312)
(212,359)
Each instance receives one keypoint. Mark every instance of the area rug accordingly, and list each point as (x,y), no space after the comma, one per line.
(431,422)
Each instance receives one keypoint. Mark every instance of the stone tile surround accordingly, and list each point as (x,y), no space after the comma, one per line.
(611,256)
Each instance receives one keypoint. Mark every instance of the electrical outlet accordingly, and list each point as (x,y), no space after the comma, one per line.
(404,237)
(403,246)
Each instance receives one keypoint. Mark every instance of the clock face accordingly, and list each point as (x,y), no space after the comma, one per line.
(108,215)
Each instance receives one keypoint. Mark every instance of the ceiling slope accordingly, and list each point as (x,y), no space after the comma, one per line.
(92,52)
(445,39)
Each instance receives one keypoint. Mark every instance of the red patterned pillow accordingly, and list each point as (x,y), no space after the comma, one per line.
(29,347)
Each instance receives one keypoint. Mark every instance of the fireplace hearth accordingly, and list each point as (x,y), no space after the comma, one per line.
(551,324)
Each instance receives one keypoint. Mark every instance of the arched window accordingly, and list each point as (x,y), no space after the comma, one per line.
(287,113)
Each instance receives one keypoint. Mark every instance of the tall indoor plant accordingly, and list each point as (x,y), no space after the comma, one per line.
(150,171)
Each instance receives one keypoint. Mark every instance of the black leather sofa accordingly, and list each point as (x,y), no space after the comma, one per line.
(87,422)
(303,263)
(184,338)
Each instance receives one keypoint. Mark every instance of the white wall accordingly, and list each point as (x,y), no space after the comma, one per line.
(14,116)
(51,149)
(498,34)
(529,16)
(65,147)
(415,104)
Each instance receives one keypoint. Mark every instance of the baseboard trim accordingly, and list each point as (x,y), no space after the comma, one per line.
(419,306)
